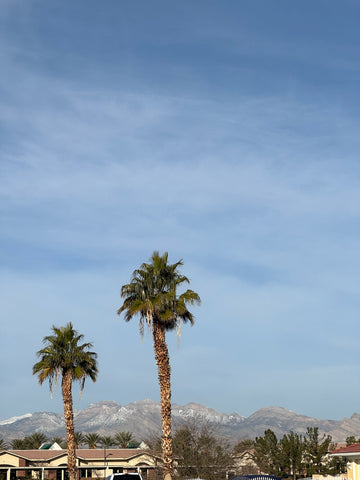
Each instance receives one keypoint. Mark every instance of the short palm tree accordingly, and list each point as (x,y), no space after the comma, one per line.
(79,439)
(3,444)
(153,295)
(59,440)
(92,439)
(63,356)
(122,439)
(36,440)
(107,441)
(18,444)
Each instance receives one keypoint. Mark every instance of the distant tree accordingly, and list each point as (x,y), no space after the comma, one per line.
(31,442)
(18,444)
(60,441)
(316,448)
(185,447)
(79,439)
(335,465)
(64,357)
(351,440)
(296,455)
(92,439)
(201,454)
(244,445)
(107,441)
(3,445)
(123,439)
(35,440)
(154,443)
(134,444)
(267,453)
(291,454)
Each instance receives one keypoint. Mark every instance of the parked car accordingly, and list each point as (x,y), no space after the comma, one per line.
(124,476)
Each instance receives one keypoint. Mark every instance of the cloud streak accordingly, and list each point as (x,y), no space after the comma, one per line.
(256,188)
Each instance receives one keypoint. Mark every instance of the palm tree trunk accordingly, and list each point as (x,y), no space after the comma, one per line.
(163,364)
(69,423)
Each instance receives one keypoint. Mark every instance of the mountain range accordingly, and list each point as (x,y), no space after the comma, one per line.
(144,420)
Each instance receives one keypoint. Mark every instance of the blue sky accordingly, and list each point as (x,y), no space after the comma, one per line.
(225,133)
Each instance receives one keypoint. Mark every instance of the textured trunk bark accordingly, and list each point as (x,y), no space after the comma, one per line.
(69,423)
(163,364)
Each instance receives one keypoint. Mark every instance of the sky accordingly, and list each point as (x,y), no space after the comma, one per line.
(225,133)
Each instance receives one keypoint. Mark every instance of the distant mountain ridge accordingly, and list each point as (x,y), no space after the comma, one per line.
(144,420)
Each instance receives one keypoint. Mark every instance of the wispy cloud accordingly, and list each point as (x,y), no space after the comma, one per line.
(256,188)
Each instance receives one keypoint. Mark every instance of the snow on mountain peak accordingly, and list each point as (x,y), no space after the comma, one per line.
(15,419)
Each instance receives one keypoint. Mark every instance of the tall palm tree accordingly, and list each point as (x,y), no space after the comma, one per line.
(63,356)
(152,294)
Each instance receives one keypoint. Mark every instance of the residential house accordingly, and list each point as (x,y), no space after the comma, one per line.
(91,463)
(352,455)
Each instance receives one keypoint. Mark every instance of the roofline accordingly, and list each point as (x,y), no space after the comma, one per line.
(344,454)
(12,452)
(114,457)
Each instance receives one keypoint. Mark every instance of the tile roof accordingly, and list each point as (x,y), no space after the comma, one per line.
(355,448)
(90,454)
(113,453)
(38,454)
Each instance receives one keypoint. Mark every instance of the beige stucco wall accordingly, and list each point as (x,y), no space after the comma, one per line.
(57,462)
(8,459)
(353,469)
(141,459)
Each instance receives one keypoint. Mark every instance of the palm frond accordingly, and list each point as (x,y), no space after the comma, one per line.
(63,353)
(152,295)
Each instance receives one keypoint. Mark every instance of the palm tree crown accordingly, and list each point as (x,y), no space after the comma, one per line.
(36,440)
(3,444)
(63,355)
(79,439)
(123,439)
(152,294)
(107,441)
(92,439)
